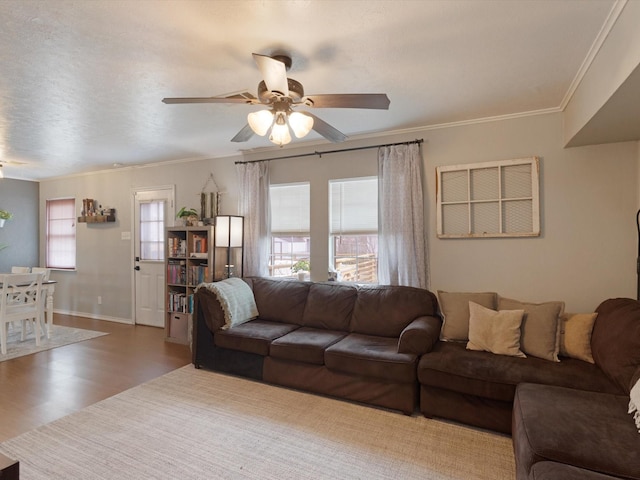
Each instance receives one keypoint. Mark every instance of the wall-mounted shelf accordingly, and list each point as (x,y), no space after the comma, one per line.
(98,218)
(92,212)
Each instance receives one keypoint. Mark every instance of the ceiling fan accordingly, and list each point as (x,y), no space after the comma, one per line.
(282,95)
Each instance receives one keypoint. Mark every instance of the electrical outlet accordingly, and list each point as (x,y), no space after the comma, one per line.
(99,300)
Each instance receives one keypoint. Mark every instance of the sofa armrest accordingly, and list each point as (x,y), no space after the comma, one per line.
(210,309)
(420,336)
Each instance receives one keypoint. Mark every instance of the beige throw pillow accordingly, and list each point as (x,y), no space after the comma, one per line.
(455,310)
(495,331)
(575,335)
(540,327)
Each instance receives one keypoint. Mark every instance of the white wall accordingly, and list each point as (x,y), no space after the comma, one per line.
(586,253)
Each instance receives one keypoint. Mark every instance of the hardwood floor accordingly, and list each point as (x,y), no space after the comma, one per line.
(39,388)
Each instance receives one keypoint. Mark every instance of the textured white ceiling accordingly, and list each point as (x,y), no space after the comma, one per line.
(81,82)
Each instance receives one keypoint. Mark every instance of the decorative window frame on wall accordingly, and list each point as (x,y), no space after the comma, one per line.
(489,199)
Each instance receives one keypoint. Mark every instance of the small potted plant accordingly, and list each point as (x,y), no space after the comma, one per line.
(4,216)
(301,267)
(188,215)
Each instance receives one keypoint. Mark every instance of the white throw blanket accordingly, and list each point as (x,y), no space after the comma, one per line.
(634,403)
(236,299)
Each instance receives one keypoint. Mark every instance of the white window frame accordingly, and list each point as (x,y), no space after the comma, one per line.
(303,233)
(335,235)
(461,209)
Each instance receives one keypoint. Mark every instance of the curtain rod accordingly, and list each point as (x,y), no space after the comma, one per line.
(418,141)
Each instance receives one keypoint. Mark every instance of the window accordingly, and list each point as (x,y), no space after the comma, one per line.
(290,240)
(353,213)
(61,233)
(152,230)
(492,199)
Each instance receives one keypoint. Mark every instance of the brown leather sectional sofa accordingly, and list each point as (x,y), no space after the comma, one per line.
(361,343)
(564,433)
(380,345)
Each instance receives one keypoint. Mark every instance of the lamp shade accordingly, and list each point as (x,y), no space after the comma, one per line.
(229,231)
(300,123)
(260,121)
(280,134)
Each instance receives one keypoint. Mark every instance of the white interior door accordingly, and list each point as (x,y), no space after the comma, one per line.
(152,210)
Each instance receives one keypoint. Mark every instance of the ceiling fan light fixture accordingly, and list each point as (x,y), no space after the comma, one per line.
(280,131)
(260,121)
(300,123)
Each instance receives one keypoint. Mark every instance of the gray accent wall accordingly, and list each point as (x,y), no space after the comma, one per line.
(585,254)
(21,233)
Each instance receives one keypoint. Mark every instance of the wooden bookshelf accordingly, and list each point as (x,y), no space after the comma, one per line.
(189,261)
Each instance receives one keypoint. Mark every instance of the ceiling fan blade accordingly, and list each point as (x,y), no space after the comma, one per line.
(274,73)
(378,101)
(234,99)
(243,135)
(327,131)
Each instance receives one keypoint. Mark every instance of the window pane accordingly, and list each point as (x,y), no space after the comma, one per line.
(290,208)
(355,258)
(152,230)
(290,240)
(61,233)
(354,206)
(354,229)
(286,251)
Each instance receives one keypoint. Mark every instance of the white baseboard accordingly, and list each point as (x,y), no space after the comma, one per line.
(93,316)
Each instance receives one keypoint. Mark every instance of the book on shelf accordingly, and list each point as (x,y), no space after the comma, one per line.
(199,273)
(177,247)
(199,243)
(176,272)
(180,302)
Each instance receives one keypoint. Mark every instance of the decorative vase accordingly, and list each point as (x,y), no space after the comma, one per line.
(2,220)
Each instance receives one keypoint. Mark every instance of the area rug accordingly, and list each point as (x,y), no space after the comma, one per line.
(196,424)
(60,336)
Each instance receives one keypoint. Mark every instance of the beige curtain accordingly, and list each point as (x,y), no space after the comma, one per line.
(253,179)
(402,244)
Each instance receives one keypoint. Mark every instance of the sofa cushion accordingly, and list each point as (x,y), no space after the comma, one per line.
(494,331)
(585,429)
(371,356)
(615,341)
(384,310)
(540,327)
(329,305)
(451,367)
(561,471)
(280,300)
(252,337)
(455,312)
(305,345)
(575,335)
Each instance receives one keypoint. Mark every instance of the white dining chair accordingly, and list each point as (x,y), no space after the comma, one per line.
(20,269)
(20,300)
(46,271)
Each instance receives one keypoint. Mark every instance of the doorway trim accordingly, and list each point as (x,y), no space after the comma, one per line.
(171,214)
